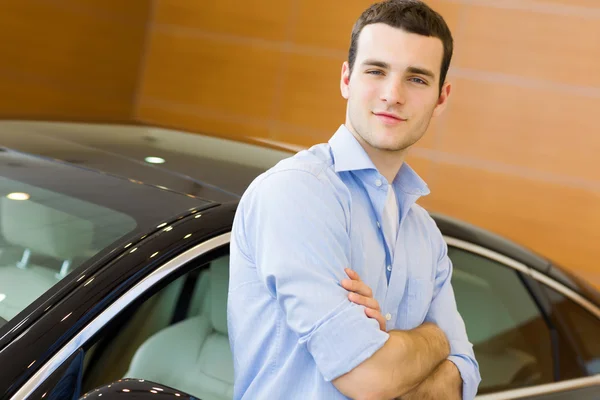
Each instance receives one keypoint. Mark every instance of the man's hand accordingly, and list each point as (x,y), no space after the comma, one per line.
(361,294)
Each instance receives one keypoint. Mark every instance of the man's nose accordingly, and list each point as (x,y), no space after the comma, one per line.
(393,92)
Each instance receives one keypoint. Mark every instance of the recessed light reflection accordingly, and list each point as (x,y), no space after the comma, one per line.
(66,316)
(168,228)
(151,257)
(187,236)
(126,390)
(33,362)
(161,225)
(159,389)
(18,196)
(155,160)
(198,216)
(153,391)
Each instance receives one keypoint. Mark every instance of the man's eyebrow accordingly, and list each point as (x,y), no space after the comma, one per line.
(376,63)
(421,71)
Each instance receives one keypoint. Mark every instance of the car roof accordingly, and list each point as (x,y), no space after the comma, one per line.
(213,168)
(146,204)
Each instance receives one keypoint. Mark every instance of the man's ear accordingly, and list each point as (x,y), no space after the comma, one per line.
(443,99)
(345,80)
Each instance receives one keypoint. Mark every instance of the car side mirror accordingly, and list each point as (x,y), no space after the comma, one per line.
(138,389)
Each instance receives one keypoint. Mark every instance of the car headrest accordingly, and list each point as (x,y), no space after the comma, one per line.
(218,288)
(44,230)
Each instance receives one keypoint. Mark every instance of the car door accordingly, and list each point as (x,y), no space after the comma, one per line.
(522,351)
(101,353)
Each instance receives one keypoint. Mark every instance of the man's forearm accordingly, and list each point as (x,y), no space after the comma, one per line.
(445,382)
(426,347)
(406,360)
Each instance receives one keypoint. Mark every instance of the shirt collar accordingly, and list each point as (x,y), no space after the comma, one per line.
(410,182)
(349,155)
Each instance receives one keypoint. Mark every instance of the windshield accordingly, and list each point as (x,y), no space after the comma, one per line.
(44,235)
(56,218)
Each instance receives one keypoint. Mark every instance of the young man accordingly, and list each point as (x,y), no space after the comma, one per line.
(340,283)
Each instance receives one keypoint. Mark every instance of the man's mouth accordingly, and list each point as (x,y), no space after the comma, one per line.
(389,117)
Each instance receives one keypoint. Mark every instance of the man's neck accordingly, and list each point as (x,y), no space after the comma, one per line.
(387,162)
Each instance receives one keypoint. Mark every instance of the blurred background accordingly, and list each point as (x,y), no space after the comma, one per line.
(514,153)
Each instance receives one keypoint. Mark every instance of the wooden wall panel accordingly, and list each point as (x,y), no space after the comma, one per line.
(306,76)
(514,152)
(537,128)
(553,46)
(552,218)
(209,79)
(71,59)
(265,19)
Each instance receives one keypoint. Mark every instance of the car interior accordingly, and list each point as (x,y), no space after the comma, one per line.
(36,253)
(45,238)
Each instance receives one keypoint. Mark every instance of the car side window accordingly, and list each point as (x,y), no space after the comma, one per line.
(584,326)
(510,337)
(178,338)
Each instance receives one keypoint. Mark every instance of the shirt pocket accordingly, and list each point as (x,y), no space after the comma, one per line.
(414,308)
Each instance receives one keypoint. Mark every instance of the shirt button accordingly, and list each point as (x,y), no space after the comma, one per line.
(378,224)
(389,267)
(378,182)
(388,316)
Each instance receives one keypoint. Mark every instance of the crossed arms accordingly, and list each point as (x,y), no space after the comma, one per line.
(411,365)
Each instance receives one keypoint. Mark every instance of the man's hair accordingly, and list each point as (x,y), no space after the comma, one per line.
(413,16)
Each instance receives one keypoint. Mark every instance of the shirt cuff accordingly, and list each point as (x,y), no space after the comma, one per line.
(344,341)
(469,373)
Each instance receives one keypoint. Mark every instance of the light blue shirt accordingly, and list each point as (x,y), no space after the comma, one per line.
(291,326)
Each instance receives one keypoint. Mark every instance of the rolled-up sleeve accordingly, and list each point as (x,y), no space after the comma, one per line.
(444,313)
(296,230)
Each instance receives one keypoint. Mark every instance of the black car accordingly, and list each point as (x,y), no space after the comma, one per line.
(114,274)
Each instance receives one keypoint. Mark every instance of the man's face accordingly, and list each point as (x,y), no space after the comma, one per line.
(393,91)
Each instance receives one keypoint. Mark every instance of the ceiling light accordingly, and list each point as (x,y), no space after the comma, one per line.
(18,196)
(154,160)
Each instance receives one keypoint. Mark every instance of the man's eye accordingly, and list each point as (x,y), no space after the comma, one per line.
(419,81)
(375,72)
